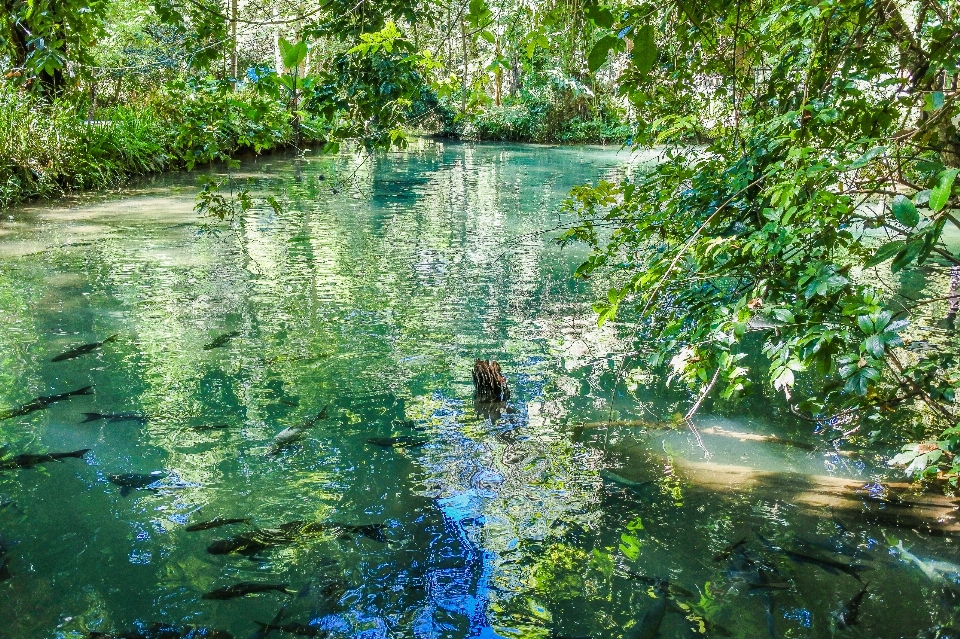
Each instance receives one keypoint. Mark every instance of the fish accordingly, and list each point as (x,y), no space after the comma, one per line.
(245,588)
(406,441)
(827,564)
(264,630)
(129,482)
(293,434)
(82,350)
(212,426)
(114,417)
(301,629)
(847,616)
(164,631)
(765,581)
(29,460)
(216,523)
(649,626)
(830,565)
(934,569)
(41,403)
(754,573)
(728,550)
(221,341)
(637,487)
(254,541)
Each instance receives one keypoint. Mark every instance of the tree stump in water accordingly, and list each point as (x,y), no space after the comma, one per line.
(489,382)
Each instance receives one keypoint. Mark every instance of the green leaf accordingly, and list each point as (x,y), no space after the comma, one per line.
(644,50)
(864,159)
(629,546)
(932,237)
(907,255)
(600,16)
(598,55)
(940,194)
(874,346)
(905,212)
(885,252)
(292,54)
(784,315)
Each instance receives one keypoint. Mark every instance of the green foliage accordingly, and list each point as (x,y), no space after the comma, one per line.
(209,121)
(47,148)
(41,37)
(825,158)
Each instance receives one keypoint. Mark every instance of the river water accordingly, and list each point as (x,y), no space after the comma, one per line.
(364,301)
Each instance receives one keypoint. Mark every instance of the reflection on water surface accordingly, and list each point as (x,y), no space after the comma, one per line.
(283,431)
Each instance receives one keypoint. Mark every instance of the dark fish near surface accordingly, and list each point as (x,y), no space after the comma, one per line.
(830,565)
(288,436)
(827,564)
(264,630)
(129,482)
(212,426)
(28,460)
(82,350)
(215,523)
(765,581)
(164,631)
(405,441)
(301,629)
(114,417)
(252,542)
(221,341)
(725,553)
(849,613)
(245,588)
(42,402)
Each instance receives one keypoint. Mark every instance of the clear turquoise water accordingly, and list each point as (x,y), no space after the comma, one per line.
(372,293)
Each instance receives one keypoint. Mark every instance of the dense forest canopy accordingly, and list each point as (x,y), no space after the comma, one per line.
(805,200)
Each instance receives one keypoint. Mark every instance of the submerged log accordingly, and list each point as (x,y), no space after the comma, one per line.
(489,382)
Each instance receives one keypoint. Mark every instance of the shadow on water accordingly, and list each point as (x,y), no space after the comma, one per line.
(302,380)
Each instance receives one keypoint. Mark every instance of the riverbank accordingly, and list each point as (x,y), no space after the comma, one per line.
(536,123)
(48,150)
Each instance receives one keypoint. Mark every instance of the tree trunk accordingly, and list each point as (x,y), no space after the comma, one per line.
(466,83)
(233,42)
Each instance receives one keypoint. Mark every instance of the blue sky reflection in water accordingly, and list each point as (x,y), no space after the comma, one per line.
(371,294)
